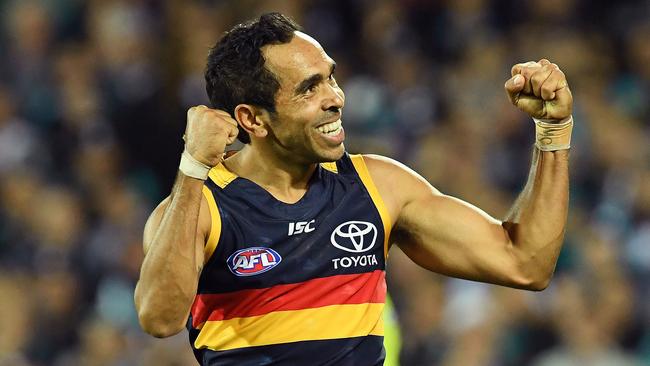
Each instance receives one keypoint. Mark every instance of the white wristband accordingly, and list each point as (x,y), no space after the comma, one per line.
(551,135)
(192,167)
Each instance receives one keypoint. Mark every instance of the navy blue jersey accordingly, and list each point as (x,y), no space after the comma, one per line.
(293,284)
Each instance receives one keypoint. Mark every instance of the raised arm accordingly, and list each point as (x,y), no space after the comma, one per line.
(452,237)
(173,241)
(177,230)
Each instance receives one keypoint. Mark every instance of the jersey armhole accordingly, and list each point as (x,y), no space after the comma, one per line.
(215,227)
(362,170)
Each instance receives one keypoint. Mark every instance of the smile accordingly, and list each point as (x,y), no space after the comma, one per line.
(330,129)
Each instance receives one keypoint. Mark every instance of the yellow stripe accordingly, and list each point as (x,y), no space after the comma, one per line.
(221,176)
(330,166)
(362,170)
(378,329)
(215,228)
(327,322)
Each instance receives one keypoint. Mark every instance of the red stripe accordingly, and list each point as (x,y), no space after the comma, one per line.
(335,290)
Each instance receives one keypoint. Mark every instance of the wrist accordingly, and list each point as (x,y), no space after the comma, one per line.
(191,167)
(553,135)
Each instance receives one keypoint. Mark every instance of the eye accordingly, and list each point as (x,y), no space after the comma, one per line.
(332,79)
(311,90)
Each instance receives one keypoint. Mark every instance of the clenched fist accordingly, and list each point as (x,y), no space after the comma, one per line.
(207,134)
(540,89)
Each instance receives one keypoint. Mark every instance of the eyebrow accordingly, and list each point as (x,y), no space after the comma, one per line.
(314,79)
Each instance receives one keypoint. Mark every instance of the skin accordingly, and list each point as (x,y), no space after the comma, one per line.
(438,232)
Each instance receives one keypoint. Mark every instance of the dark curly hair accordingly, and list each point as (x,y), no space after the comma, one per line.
(235,72)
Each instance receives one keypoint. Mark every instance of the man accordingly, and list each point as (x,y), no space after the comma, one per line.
(276,255)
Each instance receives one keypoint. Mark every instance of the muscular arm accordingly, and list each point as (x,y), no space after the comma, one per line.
(174,237)
(454,238)
(538,218)
(178,228)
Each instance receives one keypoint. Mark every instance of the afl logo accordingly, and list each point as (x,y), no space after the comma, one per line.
(253,261)
(354,236)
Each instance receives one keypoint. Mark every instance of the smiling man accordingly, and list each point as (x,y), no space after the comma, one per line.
(276,255)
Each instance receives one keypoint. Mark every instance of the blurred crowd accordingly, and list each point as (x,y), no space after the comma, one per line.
(93,96)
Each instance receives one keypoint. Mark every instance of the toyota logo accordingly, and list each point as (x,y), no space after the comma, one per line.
(354,236)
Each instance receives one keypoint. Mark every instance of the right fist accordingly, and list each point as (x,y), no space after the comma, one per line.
(207,134)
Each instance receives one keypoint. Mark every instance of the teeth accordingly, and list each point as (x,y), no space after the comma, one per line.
(330,128)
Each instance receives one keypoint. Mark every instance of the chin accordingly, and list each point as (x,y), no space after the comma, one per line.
(332,154)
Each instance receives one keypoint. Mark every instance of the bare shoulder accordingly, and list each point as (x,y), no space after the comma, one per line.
(394,174)
(397,183)
(157,215)
(383,165)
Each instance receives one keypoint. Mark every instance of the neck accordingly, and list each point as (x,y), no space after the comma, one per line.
(286,180)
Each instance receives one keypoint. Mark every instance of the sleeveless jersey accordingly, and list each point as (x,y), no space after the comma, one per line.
(293,284)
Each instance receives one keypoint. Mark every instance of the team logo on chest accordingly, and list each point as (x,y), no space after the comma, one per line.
(253,261)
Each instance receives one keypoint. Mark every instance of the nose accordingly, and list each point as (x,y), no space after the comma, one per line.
(335,98)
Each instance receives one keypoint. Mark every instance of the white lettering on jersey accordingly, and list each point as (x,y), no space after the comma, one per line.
(301,227)
(249,262)
(357,261)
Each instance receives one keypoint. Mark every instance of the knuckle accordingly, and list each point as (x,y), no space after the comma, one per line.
(537,78)
(515,68)
(531,70)
(194,109)
(219,126)
(556,76)
(547,87)
(208,113)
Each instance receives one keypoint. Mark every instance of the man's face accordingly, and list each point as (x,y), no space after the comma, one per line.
(307,123)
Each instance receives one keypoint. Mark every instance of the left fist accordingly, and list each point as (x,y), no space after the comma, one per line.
(540,89)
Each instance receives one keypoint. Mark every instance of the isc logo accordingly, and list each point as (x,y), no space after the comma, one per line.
(301,227)
(253,261)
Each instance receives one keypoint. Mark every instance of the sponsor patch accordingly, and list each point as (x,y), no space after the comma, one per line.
(354,236)
(253,261)
(356,261)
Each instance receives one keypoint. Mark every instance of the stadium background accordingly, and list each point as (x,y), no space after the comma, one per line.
(93,97)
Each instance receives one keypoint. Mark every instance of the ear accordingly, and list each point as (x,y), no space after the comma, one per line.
(250,119)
